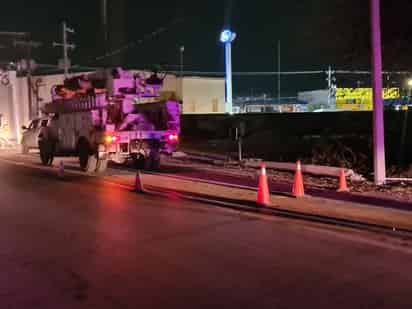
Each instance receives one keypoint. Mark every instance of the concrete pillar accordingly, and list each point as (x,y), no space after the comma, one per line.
(378,117)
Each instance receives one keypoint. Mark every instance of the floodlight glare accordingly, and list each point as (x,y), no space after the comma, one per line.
(227,36)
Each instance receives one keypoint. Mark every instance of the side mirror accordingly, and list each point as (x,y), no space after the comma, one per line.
(24,128)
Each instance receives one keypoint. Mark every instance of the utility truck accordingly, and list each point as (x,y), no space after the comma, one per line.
(101,119)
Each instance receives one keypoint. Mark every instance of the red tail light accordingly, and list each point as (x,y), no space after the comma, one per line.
(173,138)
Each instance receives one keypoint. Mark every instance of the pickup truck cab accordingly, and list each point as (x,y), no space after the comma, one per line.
(30,136)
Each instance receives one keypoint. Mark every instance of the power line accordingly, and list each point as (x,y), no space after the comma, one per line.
(134,44)
(342,72)
(202,73)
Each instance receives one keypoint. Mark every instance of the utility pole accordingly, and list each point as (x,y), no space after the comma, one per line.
(105,25)
(66,46)
(279,68)
(182,51)
(378,117)
(331,85)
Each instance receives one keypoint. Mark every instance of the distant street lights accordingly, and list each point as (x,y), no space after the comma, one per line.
(409,86)
(227,37)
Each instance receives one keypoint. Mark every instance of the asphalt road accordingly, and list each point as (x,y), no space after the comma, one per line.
(84,243)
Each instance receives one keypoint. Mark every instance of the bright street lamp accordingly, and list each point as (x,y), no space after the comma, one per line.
(227,37)
(409,83)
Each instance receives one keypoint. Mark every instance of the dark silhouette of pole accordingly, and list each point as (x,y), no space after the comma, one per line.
(279,70)
(378,119)
(182,51)
(66,47)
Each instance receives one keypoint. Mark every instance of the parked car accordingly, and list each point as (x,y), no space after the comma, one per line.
(30,139)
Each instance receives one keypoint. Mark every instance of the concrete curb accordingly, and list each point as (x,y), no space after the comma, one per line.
(310,206)
(316,170)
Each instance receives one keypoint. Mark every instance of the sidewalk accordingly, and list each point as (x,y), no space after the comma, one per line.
(395,197)
(398,219)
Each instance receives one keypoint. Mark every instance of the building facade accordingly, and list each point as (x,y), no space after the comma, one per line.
(18,105)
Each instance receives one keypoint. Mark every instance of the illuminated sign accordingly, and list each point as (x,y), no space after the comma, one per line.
(360,99)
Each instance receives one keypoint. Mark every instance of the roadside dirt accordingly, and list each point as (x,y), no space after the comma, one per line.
(398,191)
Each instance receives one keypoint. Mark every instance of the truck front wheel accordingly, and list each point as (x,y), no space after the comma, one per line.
(87,160)
(138,161)
(46,152)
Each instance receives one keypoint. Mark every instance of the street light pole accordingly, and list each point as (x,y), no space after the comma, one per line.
(229,90)
(227,37)
(378,117)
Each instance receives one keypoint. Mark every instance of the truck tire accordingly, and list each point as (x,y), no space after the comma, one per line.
(155,158)
(138,161)
(152,162)
(87,160)
(101,165)
(46,152)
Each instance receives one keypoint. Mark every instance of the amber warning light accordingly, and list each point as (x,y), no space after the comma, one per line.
(111,139)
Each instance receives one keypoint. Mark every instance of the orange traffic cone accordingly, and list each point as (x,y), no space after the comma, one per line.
(343,187)
(298,188)
(263,197)
(138,183)
(60,171)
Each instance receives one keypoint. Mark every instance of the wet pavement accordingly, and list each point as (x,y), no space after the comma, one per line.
(81,242)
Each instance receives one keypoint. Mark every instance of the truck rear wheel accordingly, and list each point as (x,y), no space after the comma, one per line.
(138,161)
(152,162)
(87,160)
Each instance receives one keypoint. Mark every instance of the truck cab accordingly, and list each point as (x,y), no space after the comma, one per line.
(30,136)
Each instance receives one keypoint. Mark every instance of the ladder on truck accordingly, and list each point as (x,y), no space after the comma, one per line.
(78,104)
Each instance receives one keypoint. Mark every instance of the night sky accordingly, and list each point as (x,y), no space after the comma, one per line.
(313,34)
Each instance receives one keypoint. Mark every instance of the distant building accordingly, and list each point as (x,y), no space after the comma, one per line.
(198,95)
(316,100)
(360,99)
(347,99)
